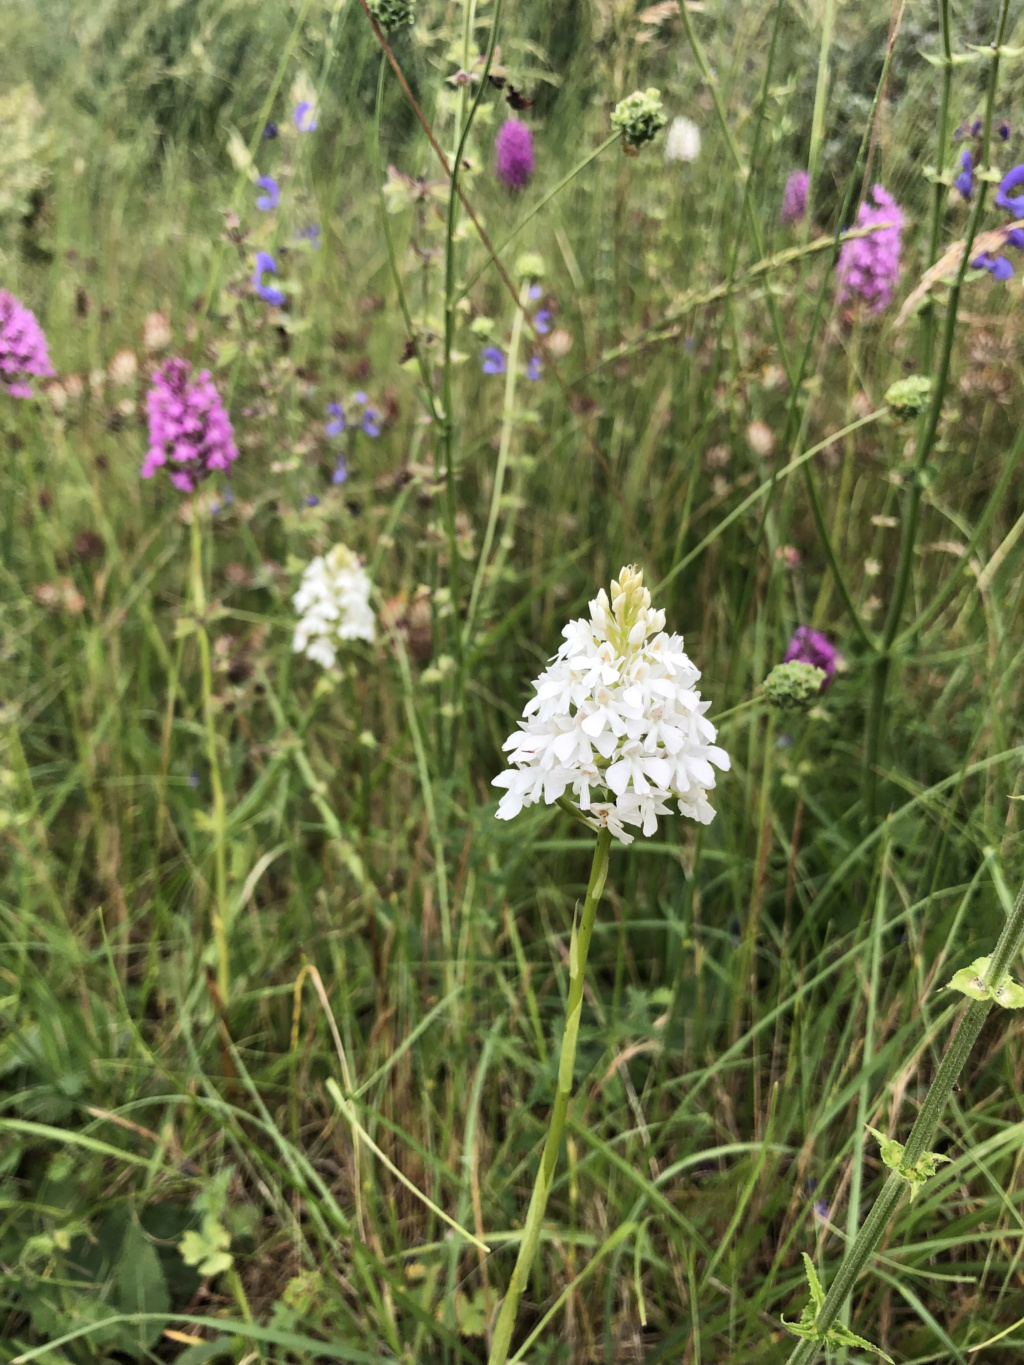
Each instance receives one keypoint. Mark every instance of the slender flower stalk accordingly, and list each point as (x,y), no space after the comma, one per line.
(578,950)
(921,1136)
(219,906)
(618,712)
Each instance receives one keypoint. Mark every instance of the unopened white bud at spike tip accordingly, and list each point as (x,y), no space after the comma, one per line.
(616,722)
(333,603)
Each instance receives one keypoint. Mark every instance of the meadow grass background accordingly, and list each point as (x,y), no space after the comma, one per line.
(757,990)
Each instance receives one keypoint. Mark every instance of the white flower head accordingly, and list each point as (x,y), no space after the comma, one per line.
(683,140)
(616,722)
(333,603)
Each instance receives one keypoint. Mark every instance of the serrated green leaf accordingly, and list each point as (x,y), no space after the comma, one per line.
(813,1284)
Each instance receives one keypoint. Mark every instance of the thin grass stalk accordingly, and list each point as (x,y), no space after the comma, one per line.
(939,195)
(818,113)
(219,905)
(389,243)
(508,421)
(921,1136)
(578,950)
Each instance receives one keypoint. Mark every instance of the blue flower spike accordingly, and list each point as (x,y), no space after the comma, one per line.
(269,200)
(269,293)
(1004,200)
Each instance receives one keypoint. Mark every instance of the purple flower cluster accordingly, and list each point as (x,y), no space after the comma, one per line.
(23,349)
(869,266)
(965,180)
(513,154)
(809,646)
(187,425)
(794,198)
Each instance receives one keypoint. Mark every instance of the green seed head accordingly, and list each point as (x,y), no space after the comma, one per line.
(794,687)
(638,117)
(394,13)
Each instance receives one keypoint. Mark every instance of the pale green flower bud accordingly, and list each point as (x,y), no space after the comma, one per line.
(638,117)
(530,266)
(908,396)
(795,686)
(394,13)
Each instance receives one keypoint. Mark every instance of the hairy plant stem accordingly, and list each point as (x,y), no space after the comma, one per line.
(219,905)
(925,442)
(1006,952)
(578,949)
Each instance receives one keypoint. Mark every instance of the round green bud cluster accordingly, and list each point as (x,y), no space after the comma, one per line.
(638,117)
(795,686)
(908,396)
(394,13)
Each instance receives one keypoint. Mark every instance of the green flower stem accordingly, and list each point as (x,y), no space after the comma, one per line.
(925,442)
(508,420)
(921,1135)
(219,907)
(578,949)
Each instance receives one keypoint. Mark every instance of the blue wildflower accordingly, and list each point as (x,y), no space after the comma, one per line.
(270,200)
(492,360)
(997,266)
(311,235)
(337,423)
(965,180)
(305,120)
(340,471)
(533,368)
(270,131)
(542,321)
(312,500)
(369,422)
(1015,237)
(534,292)
(269,293)
(1004,131)
(1010,181)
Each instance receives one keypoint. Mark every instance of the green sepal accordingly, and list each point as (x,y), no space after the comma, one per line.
(971,981)
(916,1175)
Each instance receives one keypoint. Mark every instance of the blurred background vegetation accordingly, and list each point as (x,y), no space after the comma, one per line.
(722,1101)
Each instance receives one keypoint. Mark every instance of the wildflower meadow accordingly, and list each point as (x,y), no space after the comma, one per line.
(510,723)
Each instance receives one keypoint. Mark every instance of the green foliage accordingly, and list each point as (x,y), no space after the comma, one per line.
(207,1248)
(915,1175)
(970,981)
(837,1337)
